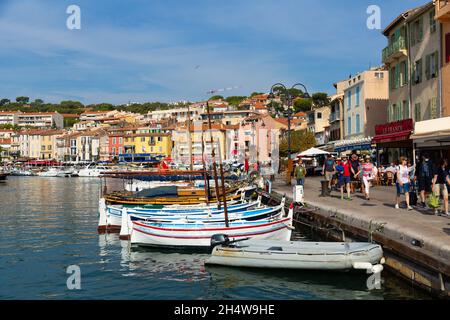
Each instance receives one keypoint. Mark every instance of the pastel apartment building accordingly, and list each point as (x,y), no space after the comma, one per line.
(40,120)
(443,16)
(415,57)
(8,118)
(318,122)
(432,128)
(365,103)
(35,144)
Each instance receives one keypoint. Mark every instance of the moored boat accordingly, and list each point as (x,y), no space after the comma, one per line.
(114,214)
(257,253)
(198,235)
(182,196)
(50,172)
(93,171)
(110,215)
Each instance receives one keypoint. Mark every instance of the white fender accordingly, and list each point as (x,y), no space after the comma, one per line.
(103,218)
(242,194)
(125,228)
(258,201)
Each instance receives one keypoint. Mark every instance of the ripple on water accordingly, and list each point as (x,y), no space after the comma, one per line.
(50,224)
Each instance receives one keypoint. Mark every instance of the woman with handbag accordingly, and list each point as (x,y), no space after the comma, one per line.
(403,183)
(367,169)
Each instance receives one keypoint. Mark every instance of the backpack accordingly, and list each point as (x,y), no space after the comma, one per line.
(425,171)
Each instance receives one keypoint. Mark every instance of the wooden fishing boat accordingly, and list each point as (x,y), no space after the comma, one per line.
(198,235)
(114,213)
(109,214)
(256,253)
(123,199)
(247,215)
(181,196)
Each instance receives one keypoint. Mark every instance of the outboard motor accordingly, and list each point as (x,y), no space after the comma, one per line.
(219,239)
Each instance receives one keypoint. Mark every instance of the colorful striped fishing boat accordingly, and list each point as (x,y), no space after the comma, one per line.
(114,213)
(198,235)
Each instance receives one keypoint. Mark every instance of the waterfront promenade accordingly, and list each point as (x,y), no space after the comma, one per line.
(427,261)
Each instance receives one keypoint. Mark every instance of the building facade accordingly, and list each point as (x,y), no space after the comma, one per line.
(318,122)
(413,56)
(365,102)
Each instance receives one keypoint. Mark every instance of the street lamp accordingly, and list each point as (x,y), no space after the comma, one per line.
(288,113)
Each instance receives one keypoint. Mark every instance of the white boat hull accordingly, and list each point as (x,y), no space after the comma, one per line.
(298,255)
(152,235)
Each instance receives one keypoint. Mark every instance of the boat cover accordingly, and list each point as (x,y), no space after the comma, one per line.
(157,192)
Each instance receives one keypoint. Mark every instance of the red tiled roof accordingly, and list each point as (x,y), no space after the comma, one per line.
(260,106)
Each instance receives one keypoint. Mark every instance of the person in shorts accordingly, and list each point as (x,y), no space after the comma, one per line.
(329,169)
(366,169)
(440,180)
(345,177)
(424,177)
(403,183)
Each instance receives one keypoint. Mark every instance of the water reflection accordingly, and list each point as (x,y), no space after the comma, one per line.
(48,224)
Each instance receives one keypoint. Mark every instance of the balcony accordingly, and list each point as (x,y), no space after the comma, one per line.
(334,117)
(443,10)
(395,51)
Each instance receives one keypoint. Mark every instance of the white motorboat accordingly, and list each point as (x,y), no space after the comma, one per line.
(50,172)
(21,172)
(93,171)
(256,253)
(57,172)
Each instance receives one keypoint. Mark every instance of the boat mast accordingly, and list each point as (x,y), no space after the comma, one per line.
(204,169)
(190,139)
(224,197)
(213,155)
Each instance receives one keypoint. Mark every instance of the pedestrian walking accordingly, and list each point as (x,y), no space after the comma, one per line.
(424,176)
(345,170)
(354,161)
(367,170)
(440,181)
(403,183)
(300,173)
(329,169)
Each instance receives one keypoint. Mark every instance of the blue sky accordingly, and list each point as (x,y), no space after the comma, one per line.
(169,50)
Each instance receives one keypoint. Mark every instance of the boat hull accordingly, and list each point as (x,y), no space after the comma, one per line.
(297,255)
(156,236)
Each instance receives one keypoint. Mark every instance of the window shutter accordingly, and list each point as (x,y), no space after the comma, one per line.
(447,48)
(412,36)
(420,30)
(419,70)
(406,109)
(397,76)
(436,64)
(406,73)
(428,67)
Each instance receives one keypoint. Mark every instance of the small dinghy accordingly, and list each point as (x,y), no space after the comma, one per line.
(253,253)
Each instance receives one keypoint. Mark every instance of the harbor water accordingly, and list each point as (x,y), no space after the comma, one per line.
(49,224)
